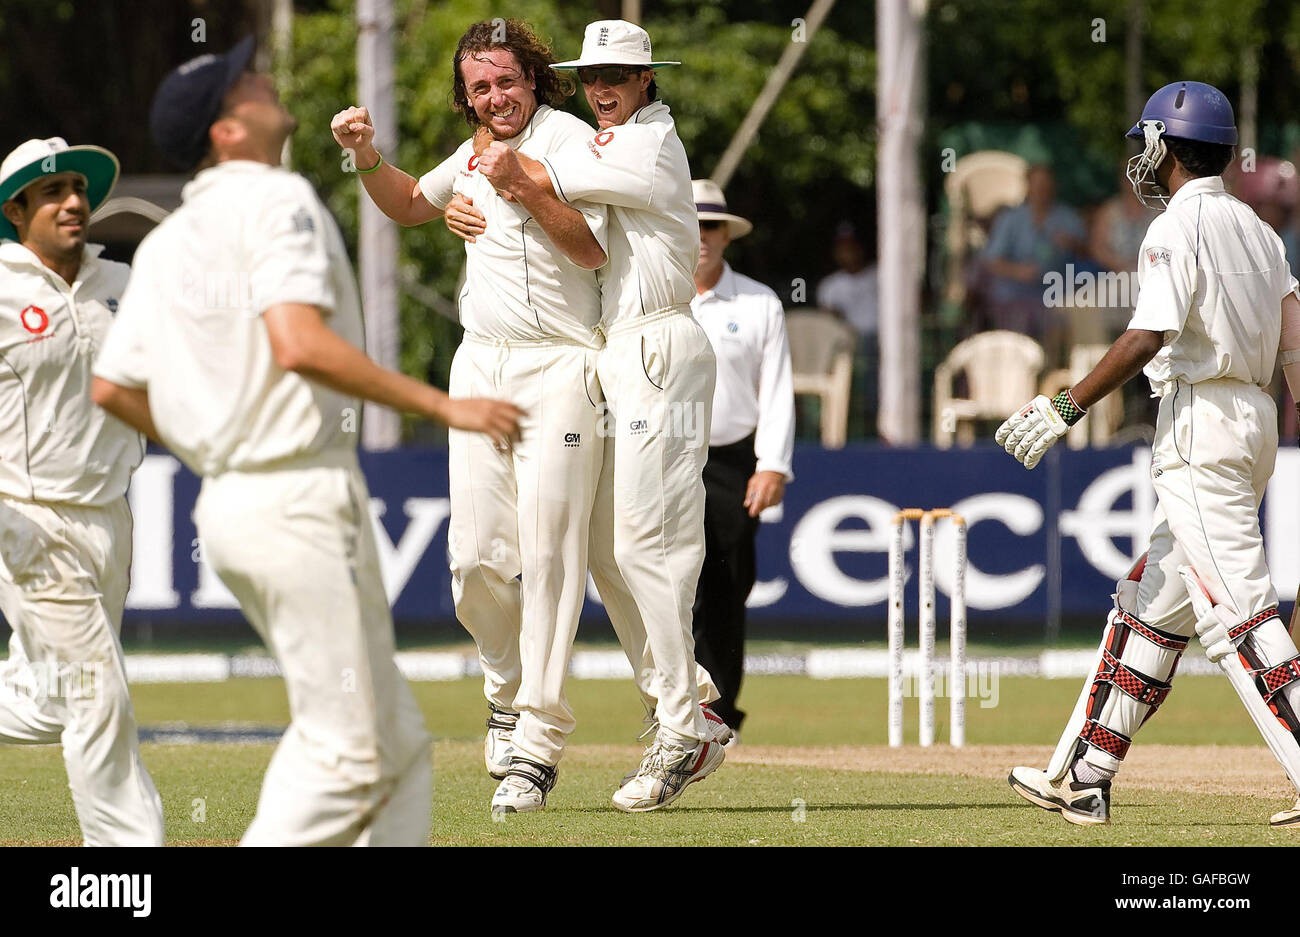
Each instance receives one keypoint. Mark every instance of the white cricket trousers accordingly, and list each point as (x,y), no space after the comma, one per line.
(63,584)
(518,532)
(296,546)
(657,373)
(520,527)
(1214,451)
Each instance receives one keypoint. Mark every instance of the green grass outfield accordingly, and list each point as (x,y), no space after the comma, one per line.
(813,770)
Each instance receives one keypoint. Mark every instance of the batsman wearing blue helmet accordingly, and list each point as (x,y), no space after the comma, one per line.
(1215,294)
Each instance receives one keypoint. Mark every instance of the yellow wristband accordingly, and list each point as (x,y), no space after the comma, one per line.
(374,168)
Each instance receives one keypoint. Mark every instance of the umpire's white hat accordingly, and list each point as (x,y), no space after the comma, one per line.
(711,205)
(613,42)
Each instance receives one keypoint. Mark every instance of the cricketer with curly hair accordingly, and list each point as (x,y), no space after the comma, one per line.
(520,516)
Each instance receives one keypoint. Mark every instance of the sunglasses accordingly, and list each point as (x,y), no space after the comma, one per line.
(610,74)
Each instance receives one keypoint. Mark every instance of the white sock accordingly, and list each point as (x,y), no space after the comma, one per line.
(1089,773)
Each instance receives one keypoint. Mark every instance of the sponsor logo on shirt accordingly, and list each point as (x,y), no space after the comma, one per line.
(1158,255)
(572,440)
(599,140)
(302,222)
(639,426)
(34,319)
(733,328)
(472,164)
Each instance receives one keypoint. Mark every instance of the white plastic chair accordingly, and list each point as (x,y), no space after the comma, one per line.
(821,358)
(1001,370)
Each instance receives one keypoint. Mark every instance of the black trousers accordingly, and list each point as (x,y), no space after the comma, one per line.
(728,573)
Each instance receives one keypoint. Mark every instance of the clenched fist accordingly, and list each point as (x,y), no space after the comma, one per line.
(353,131)
(500,166)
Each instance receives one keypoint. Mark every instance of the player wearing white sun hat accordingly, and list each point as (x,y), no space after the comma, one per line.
(657,372)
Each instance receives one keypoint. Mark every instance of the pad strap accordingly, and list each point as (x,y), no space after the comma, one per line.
(1171,642)
(1275,678)
(1138,685)
(1094,733)
(1250,624)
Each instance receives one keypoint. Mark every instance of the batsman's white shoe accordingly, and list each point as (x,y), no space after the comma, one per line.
(499,746)
(525,787)
(665,772)
(1084,804)
(1288,818)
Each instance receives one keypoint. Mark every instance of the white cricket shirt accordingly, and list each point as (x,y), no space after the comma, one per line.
(745,323)
(518,285)
(640,170)
(246,237)
(55,445)
(1212,276)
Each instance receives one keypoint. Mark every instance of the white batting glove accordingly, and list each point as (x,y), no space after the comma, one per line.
(1212,621)
(1035,428)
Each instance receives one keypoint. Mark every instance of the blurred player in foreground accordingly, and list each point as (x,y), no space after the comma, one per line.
(1217,300)
(751,442)
(259,391)
(65,527)
(656,370)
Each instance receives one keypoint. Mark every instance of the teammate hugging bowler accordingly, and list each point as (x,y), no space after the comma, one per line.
(1216,300)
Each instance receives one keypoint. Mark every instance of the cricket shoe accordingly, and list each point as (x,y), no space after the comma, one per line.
(1079,802)
(1288,818)
(718,730)
(499,744)
(525,787)
(665,772)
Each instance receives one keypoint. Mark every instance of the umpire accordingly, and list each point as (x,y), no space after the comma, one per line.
(750,443)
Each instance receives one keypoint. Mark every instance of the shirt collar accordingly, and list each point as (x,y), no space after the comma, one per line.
(522,136)
(214,174)
(1206,185)
(725,288)
(14,253)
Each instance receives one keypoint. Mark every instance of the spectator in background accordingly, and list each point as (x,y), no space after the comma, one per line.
(751,440)
(1027,242)
(853,293)
(1118,228)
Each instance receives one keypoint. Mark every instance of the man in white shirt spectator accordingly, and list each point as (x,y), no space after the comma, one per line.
(853,292)
(750,441)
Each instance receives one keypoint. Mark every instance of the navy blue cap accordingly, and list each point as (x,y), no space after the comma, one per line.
(188,101)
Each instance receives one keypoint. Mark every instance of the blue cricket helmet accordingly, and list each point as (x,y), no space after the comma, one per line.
(1190,110)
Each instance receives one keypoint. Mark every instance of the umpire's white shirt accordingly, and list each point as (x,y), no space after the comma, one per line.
(518,285)
(247,236)
(640,170)
(55,444)
(1212,278)
(745,323)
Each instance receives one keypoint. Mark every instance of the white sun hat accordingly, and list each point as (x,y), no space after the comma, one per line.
(614,42)
(711,205)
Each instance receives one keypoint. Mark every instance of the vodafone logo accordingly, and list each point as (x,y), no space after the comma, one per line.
(473,163)
(34,319)
(604,137)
